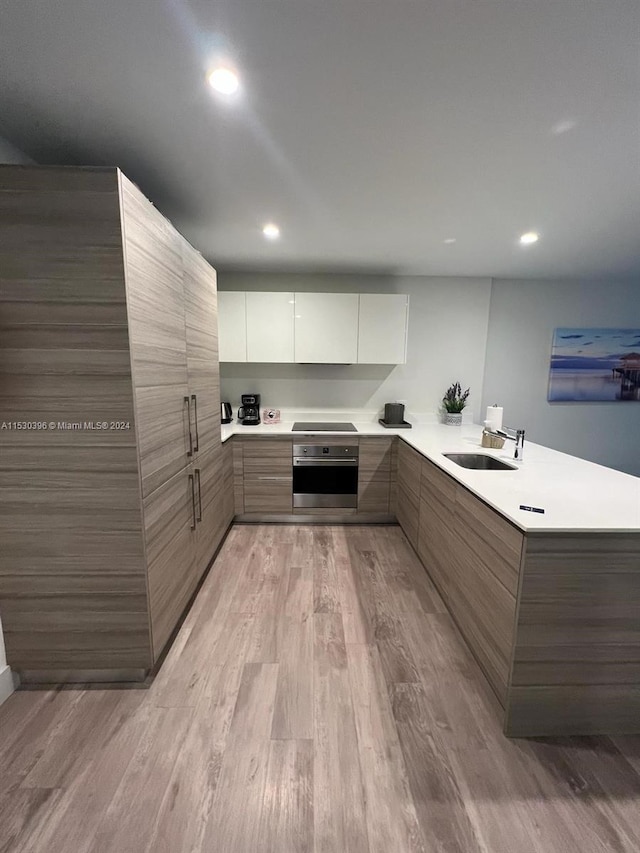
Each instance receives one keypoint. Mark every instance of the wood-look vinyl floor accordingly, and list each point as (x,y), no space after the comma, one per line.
(318,699)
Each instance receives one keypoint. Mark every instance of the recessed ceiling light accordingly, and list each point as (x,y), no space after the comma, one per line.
(449,241)
(224,80)
(271,231)
(529,238)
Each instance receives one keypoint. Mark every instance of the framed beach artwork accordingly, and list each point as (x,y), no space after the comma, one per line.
(595,365)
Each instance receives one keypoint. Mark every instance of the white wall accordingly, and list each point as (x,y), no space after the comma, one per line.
(8,154)
(523,317)
(448,319)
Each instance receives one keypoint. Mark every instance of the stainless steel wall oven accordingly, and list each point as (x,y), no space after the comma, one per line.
(325,476)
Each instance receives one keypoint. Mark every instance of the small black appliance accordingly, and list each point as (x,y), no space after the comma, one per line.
(249,411)
(226,413)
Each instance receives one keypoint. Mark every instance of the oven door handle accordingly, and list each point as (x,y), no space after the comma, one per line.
(316,462)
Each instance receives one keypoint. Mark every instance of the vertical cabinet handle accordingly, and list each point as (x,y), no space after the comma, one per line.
(190,450)
(195,415)
(199,518)
(193,501)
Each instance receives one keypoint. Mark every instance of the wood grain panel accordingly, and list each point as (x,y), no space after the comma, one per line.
(572,709)
(375,455)
(373,493)
(393,477)
(494,542)
(437,531)
(72,548)
(199,281)
(268,478)
(228,503)
(60,247)
(374,466)
(409,467)
(407,512)
(238,475)
(348,440)
(262,494)
(76,631)
(214,521)
(585,553)
(170,547)
(156,310)
(461,565)
(577,649)
(266,456)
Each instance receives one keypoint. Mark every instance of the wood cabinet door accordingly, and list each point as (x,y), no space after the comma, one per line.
(202,350)
(374,473)
(155,299)
(170,515)
(211,517)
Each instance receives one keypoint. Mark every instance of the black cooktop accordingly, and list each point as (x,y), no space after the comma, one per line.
(303,426)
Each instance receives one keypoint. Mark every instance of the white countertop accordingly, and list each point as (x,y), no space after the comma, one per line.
(576,495)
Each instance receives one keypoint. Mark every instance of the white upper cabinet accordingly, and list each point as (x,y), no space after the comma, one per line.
(313,328)
(326,328)
(270,326)
(382,328)
(232,325)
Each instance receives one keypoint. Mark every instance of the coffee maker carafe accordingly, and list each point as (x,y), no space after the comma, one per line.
(249,411)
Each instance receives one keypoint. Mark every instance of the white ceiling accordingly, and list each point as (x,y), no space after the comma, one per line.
(370,130)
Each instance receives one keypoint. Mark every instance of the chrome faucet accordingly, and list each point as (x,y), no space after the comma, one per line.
(517,436)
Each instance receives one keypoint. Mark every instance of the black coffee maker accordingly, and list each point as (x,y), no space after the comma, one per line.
(249,411)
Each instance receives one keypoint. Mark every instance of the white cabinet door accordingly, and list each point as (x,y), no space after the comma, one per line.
(326,328)
(270,327)
(232,326)
(382,328)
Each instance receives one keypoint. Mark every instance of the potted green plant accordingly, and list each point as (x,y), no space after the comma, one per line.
(453,403)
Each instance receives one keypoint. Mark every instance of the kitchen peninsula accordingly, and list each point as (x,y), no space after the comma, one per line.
(548,602)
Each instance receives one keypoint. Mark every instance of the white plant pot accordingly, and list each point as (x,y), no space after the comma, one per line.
(453,418)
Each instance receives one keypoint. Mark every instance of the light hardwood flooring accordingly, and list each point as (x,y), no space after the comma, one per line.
(318,698)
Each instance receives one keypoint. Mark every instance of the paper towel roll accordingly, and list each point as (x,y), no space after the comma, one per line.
(494,417)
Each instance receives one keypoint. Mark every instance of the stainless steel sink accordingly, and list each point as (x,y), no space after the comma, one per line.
(479,462)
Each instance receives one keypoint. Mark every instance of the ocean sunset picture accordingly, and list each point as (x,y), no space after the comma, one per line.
(595,365)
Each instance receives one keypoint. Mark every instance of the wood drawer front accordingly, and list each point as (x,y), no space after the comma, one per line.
(493,541)
(267,456)
(375,456)
(171,553)
(409,467)
(373,492)
(407,512)
(485,612)
(436,537)
(348,440)
(264,493)
(440,486)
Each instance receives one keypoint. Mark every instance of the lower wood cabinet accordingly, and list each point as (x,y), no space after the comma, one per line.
(268,478)
(409,463)
(374,474)
(170,519)
(473,555)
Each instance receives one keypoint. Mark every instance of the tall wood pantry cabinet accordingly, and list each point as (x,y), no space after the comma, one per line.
(115,490)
